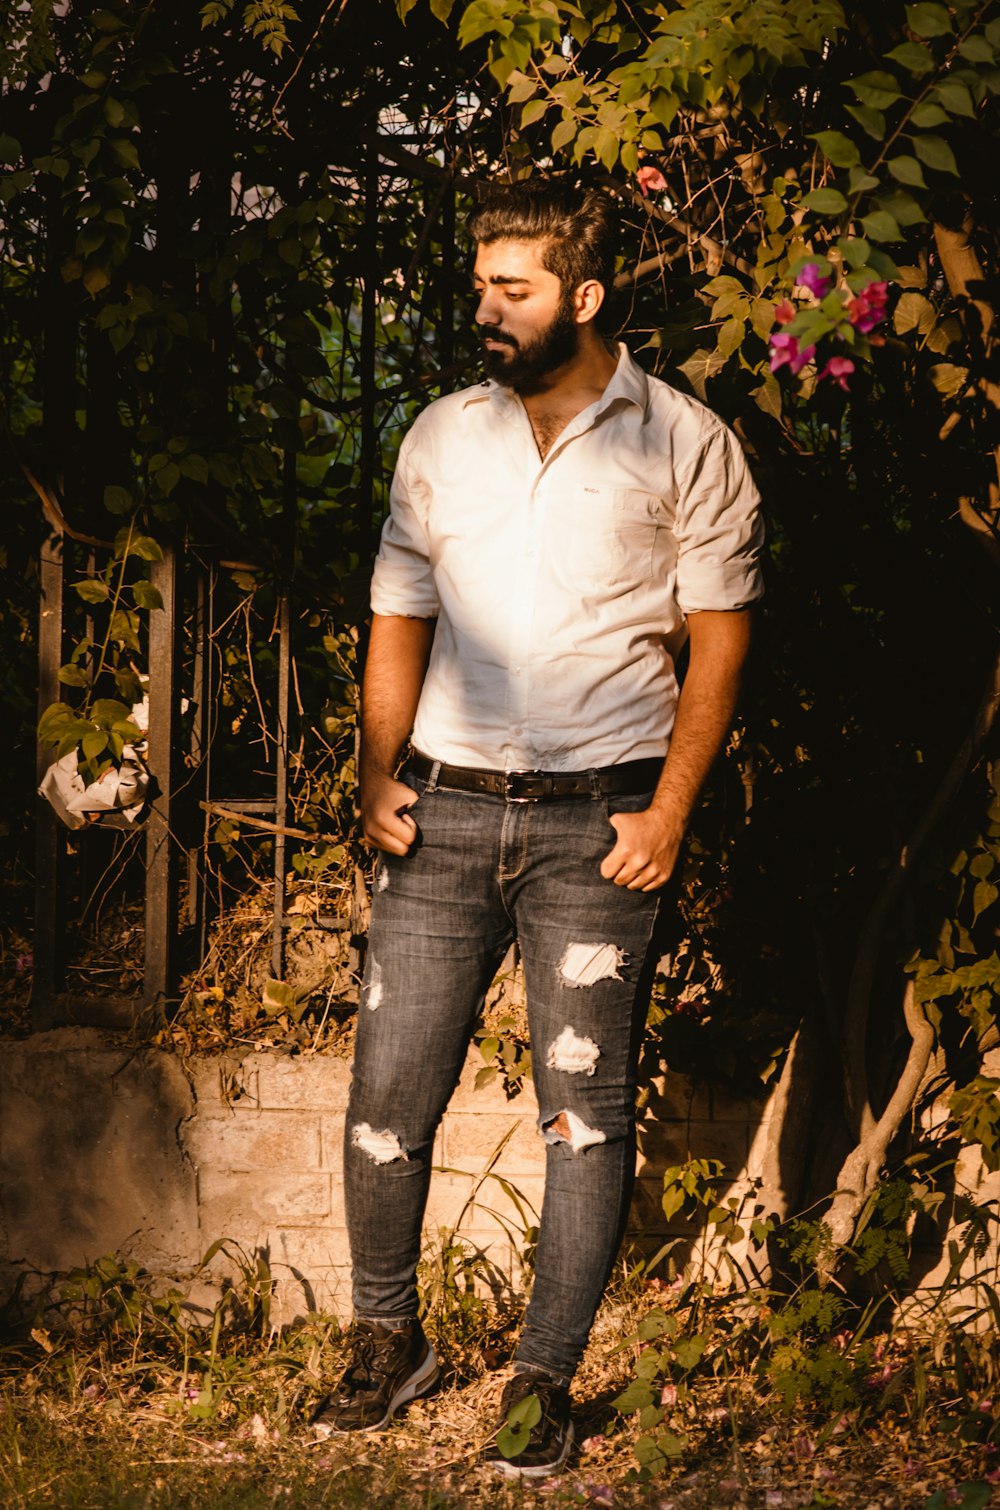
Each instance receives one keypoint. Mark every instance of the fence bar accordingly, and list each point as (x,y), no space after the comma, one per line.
(281,784)
(161,889)
(50,843)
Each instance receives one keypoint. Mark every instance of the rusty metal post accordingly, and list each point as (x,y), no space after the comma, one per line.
(161,851)
(281,784)
(50,842)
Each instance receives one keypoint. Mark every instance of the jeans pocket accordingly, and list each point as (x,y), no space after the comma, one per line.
(415,783)
(626,802)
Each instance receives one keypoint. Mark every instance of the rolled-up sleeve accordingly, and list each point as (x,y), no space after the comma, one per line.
(719,529)
(403,581)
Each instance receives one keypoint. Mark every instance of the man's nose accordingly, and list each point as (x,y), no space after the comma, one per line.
(486,310)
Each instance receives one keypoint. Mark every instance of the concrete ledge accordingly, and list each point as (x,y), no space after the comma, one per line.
(109,1149)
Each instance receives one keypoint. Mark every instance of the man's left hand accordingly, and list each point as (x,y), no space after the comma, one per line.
(644,857)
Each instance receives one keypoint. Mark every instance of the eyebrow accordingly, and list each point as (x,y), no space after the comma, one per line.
(498,278)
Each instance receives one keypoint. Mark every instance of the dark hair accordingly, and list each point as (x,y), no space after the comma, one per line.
(578,229)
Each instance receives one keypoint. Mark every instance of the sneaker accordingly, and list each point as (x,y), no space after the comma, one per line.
(388,1366)
(547,1443)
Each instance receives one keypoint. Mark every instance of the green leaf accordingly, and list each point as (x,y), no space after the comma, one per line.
(954,96)
(854,250)
(117,500)
(72,676)
(54,722)
(948,378)
(977,50)
(906,170)
(928,115)
(442,9)
(636,1396)
(913,57)
(839,148)
(826,201)
(606,147)
(984,896)
(563,133)
(94,744)
(146,548)
(880,226)
(936,153)
(859,181)
(871,119)
(146,595)
(913,312)
(533,111)
(108,711)
(523,1417)
(93,590)
(277,997)
(928,20)
(878,89)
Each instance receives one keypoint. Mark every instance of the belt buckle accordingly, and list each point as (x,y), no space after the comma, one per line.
(512,777)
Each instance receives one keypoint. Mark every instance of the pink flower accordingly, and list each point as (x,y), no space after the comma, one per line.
(784,312)
(838,369)
(650,180)
(867,308)
(811,278)
(668,1395)
(785,348)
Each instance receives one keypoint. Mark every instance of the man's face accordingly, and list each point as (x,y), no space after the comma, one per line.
(528,320)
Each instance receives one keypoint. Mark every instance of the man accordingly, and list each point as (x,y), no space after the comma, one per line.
(554,533)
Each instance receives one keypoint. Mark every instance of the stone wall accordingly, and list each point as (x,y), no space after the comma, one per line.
(105,1148)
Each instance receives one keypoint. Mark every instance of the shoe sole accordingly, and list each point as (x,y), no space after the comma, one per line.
(419,1383)
(508,1469)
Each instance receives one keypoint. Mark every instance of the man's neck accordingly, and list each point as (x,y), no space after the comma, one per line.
(577,383)
(555,402)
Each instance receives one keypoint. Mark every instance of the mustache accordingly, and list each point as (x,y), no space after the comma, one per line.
(498,335)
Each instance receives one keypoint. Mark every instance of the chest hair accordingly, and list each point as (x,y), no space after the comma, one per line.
(547,428)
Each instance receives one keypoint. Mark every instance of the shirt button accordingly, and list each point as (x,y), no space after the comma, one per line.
(518,730)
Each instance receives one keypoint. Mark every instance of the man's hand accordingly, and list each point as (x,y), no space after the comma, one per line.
(386,823)
(644,856)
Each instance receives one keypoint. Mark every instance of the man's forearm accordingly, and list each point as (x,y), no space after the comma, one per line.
(649,841)
(398,653)
(719,645)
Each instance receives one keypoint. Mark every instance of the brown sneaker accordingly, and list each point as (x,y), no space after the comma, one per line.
(534,1436)
(388,1366)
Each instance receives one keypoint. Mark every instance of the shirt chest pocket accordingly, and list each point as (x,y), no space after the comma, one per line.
(608,536)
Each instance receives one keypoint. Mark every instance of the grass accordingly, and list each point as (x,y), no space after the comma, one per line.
(109,1402)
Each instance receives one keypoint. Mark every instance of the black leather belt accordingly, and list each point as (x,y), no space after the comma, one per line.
(628,779)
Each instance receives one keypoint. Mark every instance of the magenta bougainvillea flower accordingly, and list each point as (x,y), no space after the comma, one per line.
(811,278)
(867,308)
(650,180)
(838,370)
(786,349)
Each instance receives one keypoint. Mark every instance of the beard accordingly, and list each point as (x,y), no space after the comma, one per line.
(524,366)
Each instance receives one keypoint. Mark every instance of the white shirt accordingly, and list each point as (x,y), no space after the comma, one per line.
(561,585)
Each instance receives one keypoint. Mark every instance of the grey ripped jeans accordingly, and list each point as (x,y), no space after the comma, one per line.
(483,872)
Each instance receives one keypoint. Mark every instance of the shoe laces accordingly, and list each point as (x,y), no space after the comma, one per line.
(368,1352)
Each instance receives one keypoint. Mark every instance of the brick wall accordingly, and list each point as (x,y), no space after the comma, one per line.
(107,1149)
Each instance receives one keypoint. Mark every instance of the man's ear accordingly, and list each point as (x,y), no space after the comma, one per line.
(587,300)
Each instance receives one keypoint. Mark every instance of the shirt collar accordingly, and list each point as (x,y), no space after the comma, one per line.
(628,382)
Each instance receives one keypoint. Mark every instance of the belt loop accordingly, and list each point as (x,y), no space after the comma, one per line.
(596,790)
(432,779)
